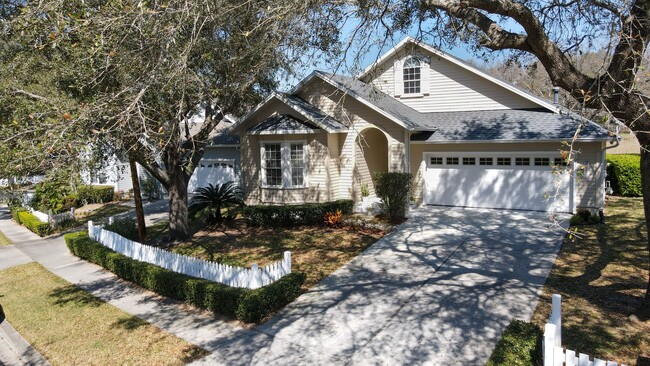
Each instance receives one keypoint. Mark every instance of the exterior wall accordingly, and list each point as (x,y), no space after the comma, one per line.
(451,88)
(319,170)
(359,118)
(589,185)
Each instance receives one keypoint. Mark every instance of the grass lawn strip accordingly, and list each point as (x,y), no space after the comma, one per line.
(316,251)
(602,279)
(71,327)
(99,213)
(4,240)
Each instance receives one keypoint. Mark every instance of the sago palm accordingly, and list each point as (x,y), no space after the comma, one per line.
(211,199)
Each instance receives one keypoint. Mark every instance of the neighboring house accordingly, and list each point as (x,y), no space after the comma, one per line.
(467,138)
(220,162)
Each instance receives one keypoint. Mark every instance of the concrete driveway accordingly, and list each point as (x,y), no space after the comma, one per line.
(437,291)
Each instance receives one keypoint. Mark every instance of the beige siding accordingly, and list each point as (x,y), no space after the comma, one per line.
(358,117)
(318,171)
(588,187)
(452,88)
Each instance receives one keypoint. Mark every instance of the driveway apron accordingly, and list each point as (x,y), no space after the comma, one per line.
(439,290)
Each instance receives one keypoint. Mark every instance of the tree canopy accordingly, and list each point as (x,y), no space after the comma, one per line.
(124,76)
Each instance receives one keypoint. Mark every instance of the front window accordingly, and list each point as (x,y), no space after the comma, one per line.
(283,165)
(412,76)
(273,166)
(297,165)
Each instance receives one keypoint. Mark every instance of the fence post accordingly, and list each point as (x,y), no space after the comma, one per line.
(256,277)
(548,346)
(556,318)
(287,260)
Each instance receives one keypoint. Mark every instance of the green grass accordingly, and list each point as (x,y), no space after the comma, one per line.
(4,240)
(316,251)
(602,276)
(99,213)
(520,345)
(70,327)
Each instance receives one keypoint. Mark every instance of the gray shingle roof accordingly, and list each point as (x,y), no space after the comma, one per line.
(313,113)
(506,125)
(282,124)
(224,138)
(411,118)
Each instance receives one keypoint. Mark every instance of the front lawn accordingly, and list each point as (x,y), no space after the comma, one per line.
(99,212)
(4,240)
(316,251)
(71,327)
(602,276)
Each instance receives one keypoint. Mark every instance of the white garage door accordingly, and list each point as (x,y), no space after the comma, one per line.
(215,172)
(525,181)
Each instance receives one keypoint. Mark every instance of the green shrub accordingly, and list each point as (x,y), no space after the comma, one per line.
(124,226)
(624,173)
(14,213)
(150,189)
(246,305)
(294,215)
(256,304)
(520,345)
(50,195)
(34,224)
(394,189)
(584,216)
(95,194)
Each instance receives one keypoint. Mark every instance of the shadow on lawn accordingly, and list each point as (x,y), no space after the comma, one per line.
(73,295)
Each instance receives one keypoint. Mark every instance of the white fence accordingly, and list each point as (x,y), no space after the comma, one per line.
(53,220)
(252,278)
(554,354)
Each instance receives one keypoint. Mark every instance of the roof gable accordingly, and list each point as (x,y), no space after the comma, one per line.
(310,112)
(458,85)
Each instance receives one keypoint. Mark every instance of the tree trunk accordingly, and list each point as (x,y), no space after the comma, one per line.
(137,197)
(179,227)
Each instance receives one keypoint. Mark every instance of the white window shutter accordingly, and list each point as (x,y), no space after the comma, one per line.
(399,78)
(425,79)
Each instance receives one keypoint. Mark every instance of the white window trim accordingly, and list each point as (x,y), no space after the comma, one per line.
(285,164)
(398,76)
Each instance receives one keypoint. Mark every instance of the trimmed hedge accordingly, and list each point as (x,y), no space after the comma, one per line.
(294,215)
(624,173)
(95,194)
(34,224)
(15,211)
(250,306)
(520,345)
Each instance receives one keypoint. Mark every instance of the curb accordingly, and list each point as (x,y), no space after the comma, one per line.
(16,343)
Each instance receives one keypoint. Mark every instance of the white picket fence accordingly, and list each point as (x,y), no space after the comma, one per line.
(554,354)
(233,276)
(53,220)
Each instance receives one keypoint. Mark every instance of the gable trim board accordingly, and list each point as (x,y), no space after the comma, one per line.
(542,103)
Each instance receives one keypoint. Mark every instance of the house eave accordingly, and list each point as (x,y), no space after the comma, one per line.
(446,142)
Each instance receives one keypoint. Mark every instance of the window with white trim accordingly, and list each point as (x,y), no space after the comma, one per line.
(485,161)
(284,164)
(542,161)
(469,161)
(436,160)
(412,76)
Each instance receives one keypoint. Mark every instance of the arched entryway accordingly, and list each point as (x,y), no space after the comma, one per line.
(371,157)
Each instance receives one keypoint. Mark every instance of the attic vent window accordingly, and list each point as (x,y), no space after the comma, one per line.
(412,76)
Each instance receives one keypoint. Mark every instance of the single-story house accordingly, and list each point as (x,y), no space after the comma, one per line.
(467,138)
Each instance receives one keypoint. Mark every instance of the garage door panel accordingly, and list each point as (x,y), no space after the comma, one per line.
(513,187)
(211,173)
